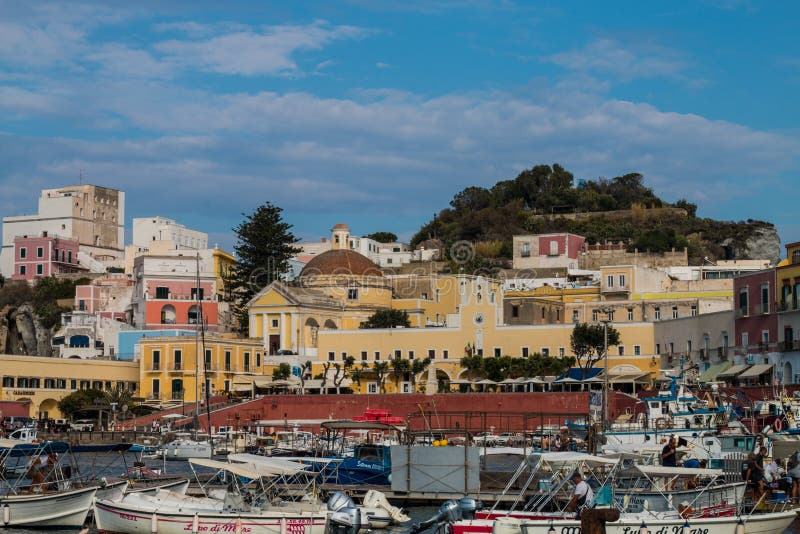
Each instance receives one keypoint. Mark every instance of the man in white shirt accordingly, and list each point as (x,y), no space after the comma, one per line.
(582,496)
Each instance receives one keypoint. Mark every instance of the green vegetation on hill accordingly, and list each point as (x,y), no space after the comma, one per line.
(43,296)
(546,199)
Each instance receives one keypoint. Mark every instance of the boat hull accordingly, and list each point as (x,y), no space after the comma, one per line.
(115,518)
(772,523)
(62,509)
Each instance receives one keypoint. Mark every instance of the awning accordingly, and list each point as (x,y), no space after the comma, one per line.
(249,470)
(238,388)
(632,378)
(663,471)
(711,374)
(757,370)
(733,371)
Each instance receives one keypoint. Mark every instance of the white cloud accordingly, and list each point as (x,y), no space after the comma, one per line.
(382,65)
(608,56)
(251,52)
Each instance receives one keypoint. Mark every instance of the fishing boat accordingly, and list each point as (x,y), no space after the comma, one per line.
(50,498)
(369,463)
(249,505)
(183,447)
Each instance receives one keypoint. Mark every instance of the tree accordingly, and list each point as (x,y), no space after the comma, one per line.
(417,368)
(264,244)
(342,369)
(357,374)
(472,364)
(81,400)
(381,369)
(383,237)
(399,367)
(282,372)
(305,370)
(587,342)
(690,207)
(387,319)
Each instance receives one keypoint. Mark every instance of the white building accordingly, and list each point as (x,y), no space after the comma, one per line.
(146,230)
(94,216)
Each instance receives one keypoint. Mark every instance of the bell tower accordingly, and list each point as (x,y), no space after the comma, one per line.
(340,237)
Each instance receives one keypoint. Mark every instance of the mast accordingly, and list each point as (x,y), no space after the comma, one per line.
(197,347)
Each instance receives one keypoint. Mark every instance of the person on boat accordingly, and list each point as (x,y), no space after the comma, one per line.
(557,442)
(545,443)
(582,496)
(794,473)
(757,473)
(668,453)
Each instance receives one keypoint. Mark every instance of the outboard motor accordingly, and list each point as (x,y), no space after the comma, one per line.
(345,521)
(468,506)
(339,501)
(449,512)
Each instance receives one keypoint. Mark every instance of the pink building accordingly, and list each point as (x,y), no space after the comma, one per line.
(36,257)
(756,323)
(540,251)
(108,297)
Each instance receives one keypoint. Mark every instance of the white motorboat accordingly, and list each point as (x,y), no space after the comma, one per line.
(184,448)
(50,498)
(240,510)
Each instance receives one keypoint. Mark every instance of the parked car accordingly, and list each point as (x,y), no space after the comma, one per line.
(284,352)
(82,425)
(15,422)
(60,425)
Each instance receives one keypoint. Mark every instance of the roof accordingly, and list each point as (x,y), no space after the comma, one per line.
(341,226)
(756,371)
(341,262)
(575,457)
(711,374)
(663,471)
(248,469)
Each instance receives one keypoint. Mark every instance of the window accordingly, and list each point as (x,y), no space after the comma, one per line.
(274,323)
(246,362)
(765,298)
(671,347)
(745,339)
(744,306)
(498,351)
(524,352)
(39,252)
(258,359)
(177,360)
(372,388)
(197,295)
(352,294)
(397,354)
(156,388)
(575,317)
(545,351)
(611,316)
(331,356)
(514,311)
(630,314)
(658,348)
(39,268)
(207,362)
(411,355)
(674,312)
(621,350)
(85,384)
(688,347)
(432,354)
(156,360)
(657,311)
(594,316)
(73,384)
(8,381)
(344,356)
(227,360)
(22,269)
(610,280)
(621,280)
(561,352)
(162,292)
(637,350)
(23,253)
(444,354)
(694,310)
(377,355)
(480,352)
(363,355)
(526,250)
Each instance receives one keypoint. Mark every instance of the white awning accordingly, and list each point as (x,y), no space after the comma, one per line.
(249,470)
(628,378)
(756,371)
(288,466)
(575,457)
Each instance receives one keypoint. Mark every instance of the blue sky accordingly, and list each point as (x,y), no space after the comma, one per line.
(376,112)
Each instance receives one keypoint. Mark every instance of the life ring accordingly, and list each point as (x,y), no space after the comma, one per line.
(662,423)
(777,425)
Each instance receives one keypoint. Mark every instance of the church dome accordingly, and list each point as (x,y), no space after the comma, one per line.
(341,262)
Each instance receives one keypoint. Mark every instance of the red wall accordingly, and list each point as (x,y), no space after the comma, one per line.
(14,408)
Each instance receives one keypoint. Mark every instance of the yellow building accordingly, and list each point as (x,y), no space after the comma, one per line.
(168,371)
(787,276)
(45,381)
(223,264)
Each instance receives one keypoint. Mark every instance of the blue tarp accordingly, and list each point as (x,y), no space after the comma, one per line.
(576,373)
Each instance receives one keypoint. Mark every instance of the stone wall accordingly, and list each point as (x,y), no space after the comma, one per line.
(594,259)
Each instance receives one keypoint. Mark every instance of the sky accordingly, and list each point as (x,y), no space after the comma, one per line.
(376,112)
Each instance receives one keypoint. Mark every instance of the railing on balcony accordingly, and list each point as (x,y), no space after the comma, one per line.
(742,311)
(786,306)
(763,308)
(789,345)
(176,367)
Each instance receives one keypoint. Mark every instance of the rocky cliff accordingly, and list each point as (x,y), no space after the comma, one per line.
(763,243)
(22,332)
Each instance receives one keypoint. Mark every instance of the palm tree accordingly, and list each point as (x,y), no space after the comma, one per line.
(305,368)
(417,368)
(342,370)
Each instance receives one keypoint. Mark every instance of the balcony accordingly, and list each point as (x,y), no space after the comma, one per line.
(742,312)
(177,368)
(787,306)
(763,308)
(789,345)
(525,254)
(153,368)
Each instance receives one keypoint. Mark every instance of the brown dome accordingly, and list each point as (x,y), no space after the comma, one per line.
(341,262)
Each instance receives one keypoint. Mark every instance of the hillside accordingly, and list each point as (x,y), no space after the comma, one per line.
(548,199)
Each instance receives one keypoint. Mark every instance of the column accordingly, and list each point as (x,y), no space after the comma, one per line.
(294,346)
(283,330)
(265,330)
